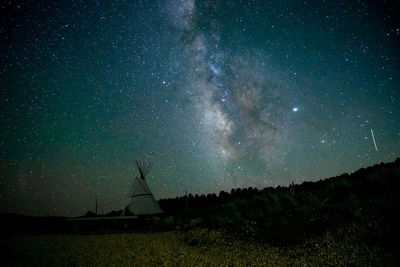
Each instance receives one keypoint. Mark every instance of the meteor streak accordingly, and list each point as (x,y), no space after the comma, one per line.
(373,138)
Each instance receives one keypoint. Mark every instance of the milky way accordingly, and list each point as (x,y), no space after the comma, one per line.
(240,107)
(216,94)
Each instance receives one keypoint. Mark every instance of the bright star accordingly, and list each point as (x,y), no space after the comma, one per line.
(295,109)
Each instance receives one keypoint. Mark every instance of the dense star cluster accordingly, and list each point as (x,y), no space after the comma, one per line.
(216,94)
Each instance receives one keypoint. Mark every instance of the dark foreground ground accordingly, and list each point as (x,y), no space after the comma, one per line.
(348,220)
(198,246)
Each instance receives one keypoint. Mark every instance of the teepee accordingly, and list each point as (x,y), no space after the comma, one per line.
(142,201)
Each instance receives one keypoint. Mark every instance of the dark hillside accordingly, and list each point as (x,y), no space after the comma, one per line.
(368,198)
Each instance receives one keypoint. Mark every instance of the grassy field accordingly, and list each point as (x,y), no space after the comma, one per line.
(196,247)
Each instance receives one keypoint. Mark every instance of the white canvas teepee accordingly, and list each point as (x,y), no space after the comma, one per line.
(142,201)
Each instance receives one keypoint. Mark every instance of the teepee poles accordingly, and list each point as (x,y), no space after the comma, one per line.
(143,167)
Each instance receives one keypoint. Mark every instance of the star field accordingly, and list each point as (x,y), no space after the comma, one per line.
(217,94)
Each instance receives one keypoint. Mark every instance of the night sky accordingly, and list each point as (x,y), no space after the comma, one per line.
(216,94)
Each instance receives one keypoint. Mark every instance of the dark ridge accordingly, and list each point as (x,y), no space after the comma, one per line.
(369,197)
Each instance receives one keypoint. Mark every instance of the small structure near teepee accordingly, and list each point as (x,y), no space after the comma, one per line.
(142,201)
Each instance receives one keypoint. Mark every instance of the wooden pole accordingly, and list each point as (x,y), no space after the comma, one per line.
(186,201)
(96,204)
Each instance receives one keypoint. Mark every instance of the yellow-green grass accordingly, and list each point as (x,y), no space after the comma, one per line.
(197,247)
